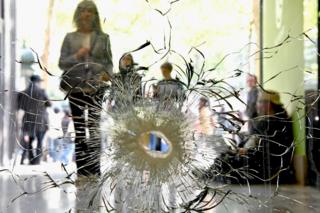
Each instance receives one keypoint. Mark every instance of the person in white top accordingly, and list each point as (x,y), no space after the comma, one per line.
(54,133)
(206,122)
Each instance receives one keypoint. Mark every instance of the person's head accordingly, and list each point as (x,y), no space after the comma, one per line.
(203,102)
(56,110)
(166,69)
(268,103)
(251,81)
(86,17)
(126,61)
(35,80)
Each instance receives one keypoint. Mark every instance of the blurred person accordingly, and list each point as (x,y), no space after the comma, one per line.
(206,122)
(34,102)
(67,139)
(272,120)
(169,92)
(252,96)
(86,60)
(126,85)
(270,146)
(272,143)
(126,90)
(54,133)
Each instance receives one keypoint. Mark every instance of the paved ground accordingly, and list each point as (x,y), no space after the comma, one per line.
(290,198)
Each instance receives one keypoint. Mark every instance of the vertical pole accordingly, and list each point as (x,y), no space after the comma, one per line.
(12,123)
(1,77)
(315,122)
(261,41)
(8,107)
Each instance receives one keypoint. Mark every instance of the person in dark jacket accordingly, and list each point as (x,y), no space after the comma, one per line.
(127,84)
(267,154)
(274,134)
(86,60)
(33,101)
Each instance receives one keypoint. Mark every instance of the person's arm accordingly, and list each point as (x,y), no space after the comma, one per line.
(47,102)
(155,91)
(251,110)
(250,146)
(182,94)
(106,59)
(18,99)
(22,100)
(252,142)
(101,52)
(67,59)
(109,55)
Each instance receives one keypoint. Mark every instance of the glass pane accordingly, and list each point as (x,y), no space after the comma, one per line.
(158,106)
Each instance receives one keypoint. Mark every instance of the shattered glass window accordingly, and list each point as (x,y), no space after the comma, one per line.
(159,106)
